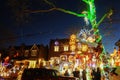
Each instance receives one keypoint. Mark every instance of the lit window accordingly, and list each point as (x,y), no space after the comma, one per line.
(26,53)
(84,47)
(79,46)
(65,48)
(56,48)
(34,53)
(72,47)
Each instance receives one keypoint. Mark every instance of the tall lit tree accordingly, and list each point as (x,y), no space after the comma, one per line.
(89,14)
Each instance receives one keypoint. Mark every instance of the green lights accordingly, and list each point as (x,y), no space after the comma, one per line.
(71,12)
(90,14)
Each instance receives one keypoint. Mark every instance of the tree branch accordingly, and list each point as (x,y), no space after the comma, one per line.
(37,11)
(50,3)
(104,16)
(58,9)
(55,8)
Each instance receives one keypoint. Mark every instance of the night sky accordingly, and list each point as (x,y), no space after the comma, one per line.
(39,28)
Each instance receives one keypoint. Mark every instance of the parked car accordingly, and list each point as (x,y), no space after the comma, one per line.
(43,74)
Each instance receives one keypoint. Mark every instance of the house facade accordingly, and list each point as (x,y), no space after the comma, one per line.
(68,47)
(31,52)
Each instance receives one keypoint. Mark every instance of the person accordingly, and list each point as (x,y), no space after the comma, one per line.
(76,73)
(84,74)
(66,73)
(98,74)
(93,74)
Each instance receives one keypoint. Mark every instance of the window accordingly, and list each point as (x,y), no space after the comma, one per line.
(65,48)
(72,47)
(26,53)
(56,48)
(79,46)
(34,53)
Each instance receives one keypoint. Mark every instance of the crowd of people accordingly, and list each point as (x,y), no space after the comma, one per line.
(94,74)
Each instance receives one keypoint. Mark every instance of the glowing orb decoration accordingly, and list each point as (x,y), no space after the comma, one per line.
(56,43)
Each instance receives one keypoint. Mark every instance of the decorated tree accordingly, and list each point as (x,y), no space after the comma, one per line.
(89,15)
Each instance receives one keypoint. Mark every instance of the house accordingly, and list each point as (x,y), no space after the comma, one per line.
(31,52)
(58,47)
